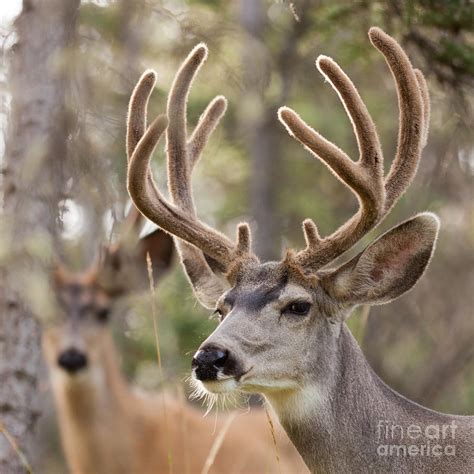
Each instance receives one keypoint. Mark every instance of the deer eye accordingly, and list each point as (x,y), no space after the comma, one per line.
(299,308)
(102,314)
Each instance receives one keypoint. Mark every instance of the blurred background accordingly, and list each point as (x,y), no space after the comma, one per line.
(88,57)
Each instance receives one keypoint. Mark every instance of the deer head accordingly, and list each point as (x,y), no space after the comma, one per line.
(280,321)
(79,339)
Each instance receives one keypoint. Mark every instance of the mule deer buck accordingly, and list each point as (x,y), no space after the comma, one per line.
(106,427)
(282,331)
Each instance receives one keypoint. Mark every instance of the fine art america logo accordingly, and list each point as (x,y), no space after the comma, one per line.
(415,440)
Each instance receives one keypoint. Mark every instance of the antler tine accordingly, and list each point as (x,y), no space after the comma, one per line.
(137,110)
(178,167)
(206,125)
(412,126)
(244,239)
(136,126)
(368,141)
(425,95)
(183,153)
(311,234)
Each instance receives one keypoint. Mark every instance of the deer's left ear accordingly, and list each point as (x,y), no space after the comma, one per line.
(124,269)
(388,267)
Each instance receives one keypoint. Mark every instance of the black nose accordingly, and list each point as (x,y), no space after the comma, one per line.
(208,361)
(72,360)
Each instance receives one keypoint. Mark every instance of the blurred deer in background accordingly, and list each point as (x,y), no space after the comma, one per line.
(282,330)
(106,427)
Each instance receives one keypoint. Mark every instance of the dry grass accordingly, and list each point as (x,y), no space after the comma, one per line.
(217,444)
(184,429)
(272,430)
(158,356)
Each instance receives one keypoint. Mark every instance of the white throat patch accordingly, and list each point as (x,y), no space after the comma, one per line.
(299,405)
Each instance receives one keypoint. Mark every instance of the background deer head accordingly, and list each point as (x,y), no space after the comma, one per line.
(87,298)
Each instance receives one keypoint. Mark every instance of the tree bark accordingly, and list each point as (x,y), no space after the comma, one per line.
(36,149)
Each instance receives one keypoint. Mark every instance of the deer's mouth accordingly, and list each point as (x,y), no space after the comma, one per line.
(225,385)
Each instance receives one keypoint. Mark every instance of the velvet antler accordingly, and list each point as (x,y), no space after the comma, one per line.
(365,178)
(199,245)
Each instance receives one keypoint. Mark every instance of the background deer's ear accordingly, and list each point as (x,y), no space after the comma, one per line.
(160,246)
(124,269)
(388,267)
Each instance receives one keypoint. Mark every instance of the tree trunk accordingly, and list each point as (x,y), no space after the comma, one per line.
(261,132)
(33,179)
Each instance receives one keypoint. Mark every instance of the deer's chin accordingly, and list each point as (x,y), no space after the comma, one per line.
(267,385)
(226,385)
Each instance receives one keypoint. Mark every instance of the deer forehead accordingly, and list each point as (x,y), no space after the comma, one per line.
(262,284)
(79,294)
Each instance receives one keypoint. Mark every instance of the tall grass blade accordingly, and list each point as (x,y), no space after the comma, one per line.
(158,355)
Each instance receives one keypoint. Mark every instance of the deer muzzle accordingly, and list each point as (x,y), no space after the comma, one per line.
(72,360)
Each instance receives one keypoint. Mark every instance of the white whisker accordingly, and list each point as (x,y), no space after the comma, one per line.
(221,401)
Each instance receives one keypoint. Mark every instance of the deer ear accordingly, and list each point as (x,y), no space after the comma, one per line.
(159,245)
(125,270)
(388,267)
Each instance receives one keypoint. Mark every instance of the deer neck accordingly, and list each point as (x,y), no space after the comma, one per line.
(338,425)
(93,415)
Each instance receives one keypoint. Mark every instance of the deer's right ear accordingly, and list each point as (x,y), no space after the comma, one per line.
(388,267)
